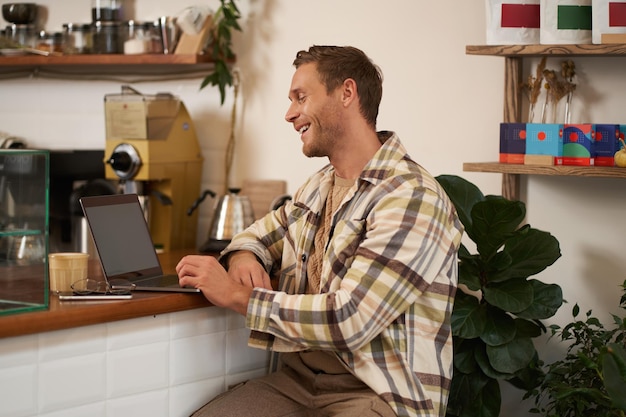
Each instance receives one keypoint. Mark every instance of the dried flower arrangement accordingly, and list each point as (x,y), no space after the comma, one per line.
(557,86)
(532,88)
(568,71)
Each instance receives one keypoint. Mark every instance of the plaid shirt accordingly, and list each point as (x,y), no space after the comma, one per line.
(389,276)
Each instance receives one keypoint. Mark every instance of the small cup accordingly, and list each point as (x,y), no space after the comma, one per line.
(66,268)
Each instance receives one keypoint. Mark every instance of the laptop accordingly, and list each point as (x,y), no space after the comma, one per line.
(125,248)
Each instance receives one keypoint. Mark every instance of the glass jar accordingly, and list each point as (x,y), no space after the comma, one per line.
(49,42)
(106,10)
(25,35)
(155,42)
(134,38)
(76,38)
(106,38)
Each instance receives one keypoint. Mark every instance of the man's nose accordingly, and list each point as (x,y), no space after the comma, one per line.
(291,114)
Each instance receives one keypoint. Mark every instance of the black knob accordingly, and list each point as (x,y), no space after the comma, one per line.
(120,161)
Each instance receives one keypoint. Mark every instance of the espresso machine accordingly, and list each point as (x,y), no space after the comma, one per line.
(152,150)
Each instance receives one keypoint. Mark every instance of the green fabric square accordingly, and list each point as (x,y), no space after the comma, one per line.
(574,17)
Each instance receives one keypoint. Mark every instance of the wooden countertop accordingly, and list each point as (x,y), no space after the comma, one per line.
(68,314)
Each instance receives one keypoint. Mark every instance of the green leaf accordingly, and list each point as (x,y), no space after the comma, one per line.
(531,252)
(547,299)
(529,377)
(464,360)
(525,328)
(499,262)
(494,221)
(480,352)
(487,403)
(514,295)
(469,272)
(499,328)
(468,317)
(224,22)
(512,356)
(463,195)
(463,391)
(614,372)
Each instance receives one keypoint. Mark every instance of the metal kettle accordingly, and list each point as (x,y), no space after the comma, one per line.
(233,214)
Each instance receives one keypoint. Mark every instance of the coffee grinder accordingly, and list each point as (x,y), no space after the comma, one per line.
(153,151)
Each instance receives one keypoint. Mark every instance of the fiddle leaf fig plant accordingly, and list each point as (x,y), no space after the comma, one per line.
(225,20)
(498,308)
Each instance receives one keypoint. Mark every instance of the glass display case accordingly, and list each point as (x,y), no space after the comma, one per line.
(24,184)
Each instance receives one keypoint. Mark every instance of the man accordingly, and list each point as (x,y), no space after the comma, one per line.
(366,259)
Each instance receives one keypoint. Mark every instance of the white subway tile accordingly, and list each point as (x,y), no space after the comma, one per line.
(153,404)
(97,409)
(68,343)
(197,322)
(187,398)
(236,321)
(137,369)
(136,332)
(15,351)
(240,357)
(71,382)
(196,358)
(18,391)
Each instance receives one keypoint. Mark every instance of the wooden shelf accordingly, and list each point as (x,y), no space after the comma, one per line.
(579,171)
(103,60)
(512,111)
(617,49)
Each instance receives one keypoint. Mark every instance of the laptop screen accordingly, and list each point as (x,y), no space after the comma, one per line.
(121,236)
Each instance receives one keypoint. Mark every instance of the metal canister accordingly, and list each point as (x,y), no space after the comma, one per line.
(106,38)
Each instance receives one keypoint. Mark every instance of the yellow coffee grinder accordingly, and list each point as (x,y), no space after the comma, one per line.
(153,150)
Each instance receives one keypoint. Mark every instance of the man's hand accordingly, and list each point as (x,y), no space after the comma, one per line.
(244,268)
(207,274)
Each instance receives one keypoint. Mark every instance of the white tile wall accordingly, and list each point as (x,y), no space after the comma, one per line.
(167,365)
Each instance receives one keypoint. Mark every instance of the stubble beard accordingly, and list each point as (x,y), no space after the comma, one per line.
(324,138)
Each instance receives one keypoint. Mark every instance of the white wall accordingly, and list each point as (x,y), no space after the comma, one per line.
(445,105)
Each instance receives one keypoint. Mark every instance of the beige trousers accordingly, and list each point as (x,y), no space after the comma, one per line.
(296,391)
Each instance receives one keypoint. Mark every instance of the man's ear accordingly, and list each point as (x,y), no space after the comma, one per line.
(348,91)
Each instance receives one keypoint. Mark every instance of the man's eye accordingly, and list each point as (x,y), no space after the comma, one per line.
(301,99)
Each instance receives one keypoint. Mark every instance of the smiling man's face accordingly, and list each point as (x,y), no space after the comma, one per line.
(315,114)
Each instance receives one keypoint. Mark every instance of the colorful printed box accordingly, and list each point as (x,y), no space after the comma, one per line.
(605,143)
(577,144)
(512,143)
(544,144)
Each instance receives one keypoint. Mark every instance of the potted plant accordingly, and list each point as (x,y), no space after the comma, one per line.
(225,20)
(590,380)
(498,309)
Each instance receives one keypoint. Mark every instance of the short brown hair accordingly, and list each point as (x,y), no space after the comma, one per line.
(335,64)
